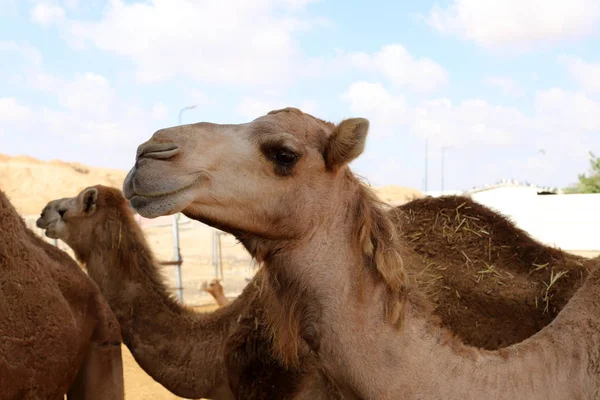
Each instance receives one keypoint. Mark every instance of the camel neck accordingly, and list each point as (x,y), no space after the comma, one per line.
(176,346)
(340,314)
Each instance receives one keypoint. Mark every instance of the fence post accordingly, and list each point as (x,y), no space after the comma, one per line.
(177,257)
(215,257)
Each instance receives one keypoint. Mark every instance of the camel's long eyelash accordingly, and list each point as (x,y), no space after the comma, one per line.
(283,157)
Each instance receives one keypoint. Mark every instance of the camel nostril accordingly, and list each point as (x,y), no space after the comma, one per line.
(159,151)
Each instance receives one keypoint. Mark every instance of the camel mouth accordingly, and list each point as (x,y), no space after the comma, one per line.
(152,196)
(153,206)
(50,234)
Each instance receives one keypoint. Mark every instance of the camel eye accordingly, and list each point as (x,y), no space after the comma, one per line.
(61,212)
(285,157)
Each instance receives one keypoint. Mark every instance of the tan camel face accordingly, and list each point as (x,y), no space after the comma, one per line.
(268,177)
(50,215)
(73,210)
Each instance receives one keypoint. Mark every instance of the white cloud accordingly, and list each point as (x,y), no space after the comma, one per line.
(89,115)
(47,14)
(586,74)
(372,100)
(565,124)
(71,3)
(88,94)
(160,111)
(506,85)
(252,108)
(198,98)
(402,69)
(11,110)
(296,4)
(468,122)
(448,123)
(8,8)
(514,23)
(28,52)
(232,42)
(568,114)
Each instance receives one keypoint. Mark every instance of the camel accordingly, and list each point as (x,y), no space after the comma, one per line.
(59,335)
(497,271)
(335,269)
(49,214)
(215,289)
(247,337)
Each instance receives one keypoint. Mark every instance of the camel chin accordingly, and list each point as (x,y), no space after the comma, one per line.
(51,235)
(155,206)
(151,201)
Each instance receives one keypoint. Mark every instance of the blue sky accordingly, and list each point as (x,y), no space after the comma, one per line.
(494,81)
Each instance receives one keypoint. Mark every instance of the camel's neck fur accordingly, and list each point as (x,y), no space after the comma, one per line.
(342,290)
(179,348)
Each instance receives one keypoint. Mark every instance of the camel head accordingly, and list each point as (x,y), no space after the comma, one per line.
(273,177)
(214,288)
(81,216)
(50,215)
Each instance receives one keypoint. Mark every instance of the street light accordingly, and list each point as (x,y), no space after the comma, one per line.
(183,109)
(176,252)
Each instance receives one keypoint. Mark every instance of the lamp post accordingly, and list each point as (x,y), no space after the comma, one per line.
(176,252)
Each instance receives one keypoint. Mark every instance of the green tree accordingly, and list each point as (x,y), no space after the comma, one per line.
(588,183)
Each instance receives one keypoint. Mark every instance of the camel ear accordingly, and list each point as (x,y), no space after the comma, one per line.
(347,142)
(90,197)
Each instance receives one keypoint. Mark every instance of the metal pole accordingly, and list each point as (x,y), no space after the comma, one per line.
(220,257)
(176,251)
(177,257)
(215,250)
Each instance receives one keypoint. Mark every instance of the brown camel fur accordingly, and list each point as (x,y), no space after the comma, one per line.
(59,335)
(215,289)
(510,281)
(179,348)
(455,311)
(469,250)
(335,267)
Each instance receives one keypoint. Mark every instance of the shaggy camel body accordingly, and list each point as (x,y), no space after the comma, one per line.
(176,346)
(252,364)
(346,295)
(58,334)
